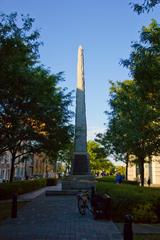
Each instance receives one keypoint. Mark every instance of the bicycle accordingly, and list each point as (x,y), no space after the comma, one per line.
(83,202)
(98,205)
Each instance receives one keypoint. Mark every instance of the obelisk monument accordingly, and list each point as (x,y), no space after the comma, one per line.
(80,164)
(80,177)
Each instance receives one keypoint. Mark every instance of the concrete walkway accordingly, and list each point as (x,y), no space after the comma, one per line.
(56,218)
(31,195)
(142,228)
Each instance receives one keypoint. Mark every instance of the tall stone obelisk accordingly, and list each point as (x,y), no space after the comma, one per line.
(80,177)
(80,164)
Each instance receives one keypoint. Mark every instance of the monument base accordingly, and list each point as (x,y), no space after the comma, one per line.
(78,182)
(80,164)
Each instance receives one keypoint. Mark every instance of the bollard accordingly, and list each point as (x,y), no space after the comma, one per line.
(14,206)
(92,195)
(128,232)
(108,209)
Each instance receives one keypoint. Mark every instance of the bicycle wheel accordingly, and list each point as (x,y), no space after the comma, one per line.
(81,206)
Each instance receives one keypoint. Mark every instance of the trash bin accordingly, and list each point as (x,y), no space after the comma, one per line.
(102,206)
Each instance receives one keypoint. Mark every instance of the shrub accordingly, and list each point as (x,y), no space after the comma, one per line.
(106,179)
(51,181)
(20,187)
(127,198)
(131,182)
(145,213)
(112,179)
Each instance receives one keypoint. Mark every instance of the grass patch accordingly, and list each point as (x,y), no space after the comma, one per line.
(132,199)
(146,237)
(113,180)
(5,209)
(106,179)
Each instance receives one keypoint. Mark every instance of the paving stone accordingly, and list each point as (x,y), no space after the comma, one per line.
(56,218)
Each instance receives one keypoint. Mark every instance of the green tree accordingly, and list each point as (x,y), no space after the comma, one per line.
(144,64)
(115,143)
(34,113)
(65,156)
(98,160)
(131,124)
(120,169)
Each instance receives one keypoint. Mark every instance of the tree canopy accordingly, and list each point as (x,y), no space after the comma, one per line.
(98,158)
(134,124)
(145,6)
(144,64)
(34,113)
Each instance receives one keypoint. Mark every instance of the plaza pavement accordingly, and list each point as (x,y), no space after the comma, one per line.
(55,218)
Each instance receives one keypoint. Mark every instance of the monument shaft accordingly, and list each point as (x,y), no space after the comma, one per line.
(80,178)
(80,164)
(80,122)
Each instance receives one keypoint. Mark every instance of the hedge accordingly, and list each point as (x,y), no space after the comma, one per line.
(19,187)
(112,179)
(106,179)
(131,199)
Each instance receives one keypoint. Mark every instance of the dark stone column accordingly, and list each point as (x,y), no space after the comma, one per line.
(80,164)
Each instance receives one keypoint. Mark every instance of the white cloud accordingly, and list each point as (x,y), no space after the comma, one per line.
(92,131)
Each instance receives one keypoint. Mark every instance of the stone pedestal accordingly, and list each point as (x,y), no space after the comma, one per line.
(78,182)
(80,164)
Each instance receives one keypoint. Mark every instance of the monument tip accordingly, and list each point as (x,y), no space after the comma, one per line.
(80,47)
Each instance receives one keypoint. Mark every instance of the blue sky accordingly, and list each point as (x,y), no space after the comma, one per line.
(104,28)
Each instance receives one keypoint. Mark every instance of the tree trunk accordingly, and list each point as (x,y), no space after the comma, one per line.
(126,170)
(127,161)
(25,170)
(55,166)
(12,167)
(46,170)
(141,166)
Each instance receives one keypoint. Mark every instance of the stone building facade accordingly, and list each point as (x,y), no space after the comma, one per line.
(23,167)
(151,170)
(26,166)
(4,167)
